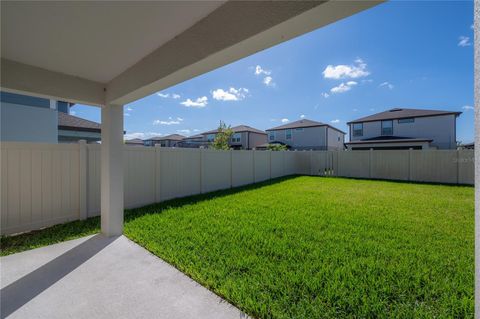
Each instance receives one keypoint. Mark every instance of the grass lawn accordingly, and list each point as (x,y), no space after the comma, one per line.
(310,247)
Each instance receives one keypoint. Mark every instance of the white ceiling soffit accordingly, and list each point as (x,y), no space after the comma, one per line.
(94,40)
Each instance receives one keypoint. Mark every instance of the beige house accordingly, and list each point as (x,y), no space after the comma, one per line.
(401,128)
(307,135)
(244,137)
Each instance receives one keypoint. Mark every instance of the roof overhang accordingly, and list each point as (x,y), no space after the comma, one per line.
(104,52)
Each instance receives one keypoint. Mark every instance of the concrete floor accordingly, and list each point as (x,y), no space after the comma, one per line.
(99,277)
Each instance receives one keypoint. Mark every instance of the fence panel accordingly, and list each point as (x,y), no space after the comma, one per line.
(216,170)
(438,166)
(40,185)
(139,176)
(290,163)
(466,169)
(277,164)
(242,168)
(391,164)
(262,165)
(353,164)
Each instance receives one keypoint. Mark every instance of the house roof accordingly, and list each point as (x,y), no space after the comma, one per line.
(399,113)
(238,129)
(302,123)
(173,137)
(134,141)
(74,123)
(193,137)
(389,139)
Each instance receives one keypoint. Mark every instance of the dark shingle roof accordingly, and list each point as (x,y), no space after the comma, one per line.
(238,129)
(134,141)
(74,123)
(303,123)
(399,113)
(173,137)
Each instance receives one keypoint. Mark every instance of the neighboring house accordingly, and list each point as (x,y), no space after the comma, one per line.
(32,119)
(244,137)
(401,128)
(135,142)
(71,129)
(172,140)
(468,146)
(308,135)
(194,141)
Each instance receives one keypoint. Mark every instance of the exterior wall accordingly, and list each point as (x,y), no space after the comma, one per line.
(305,138)
(416,145)
(256,139)
(439,128)
(20,123)
(68,136)
(335,139)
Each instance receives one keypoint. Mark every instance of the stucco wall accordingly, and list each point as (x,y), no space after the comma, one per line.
(335,139)
(256,140)
(439,128)
(20,123)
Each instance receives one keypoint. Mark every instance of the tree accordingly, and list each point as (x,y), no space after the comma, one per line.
(276,147)
(222,137)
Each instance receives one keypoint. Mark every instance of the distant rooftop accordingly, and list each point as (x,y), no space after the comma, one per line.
(399,113)
(239,129)
(302,123)
(74,123)
(172,137)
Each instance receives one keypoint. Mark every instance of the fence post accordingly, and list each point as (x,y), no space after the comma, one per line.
(83,175)
(158,189)
(270,168)
(458,166)
(202,152)
(253,166)
(231,168)
(410,164)
(370,163)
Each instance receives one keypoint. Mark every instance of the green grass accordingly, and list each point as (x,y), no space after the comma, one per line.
(310,247)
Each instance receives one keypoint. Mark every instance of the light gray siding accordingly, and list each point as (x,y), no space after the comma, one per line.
(20,123)
(441,129)
(256,139)
(311,138)
(335,139)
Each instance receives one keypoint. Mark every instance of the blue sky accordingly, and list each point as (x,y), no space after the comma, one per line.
(398,54)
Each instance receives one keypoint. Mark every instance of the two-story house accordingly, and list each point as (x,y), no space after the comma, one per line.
(27,118)
(401,128)
(244,137)
(172,140)
(307,135)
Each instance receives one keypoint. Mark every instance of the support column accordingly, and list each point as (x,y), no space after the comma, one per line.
(112,170)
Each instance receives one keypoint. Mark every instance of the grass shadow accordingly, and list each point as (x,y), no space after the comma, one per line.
(80,228)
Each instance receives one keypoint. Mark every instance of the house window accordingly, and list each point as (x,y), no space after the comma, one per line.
(387,127)
(288,134)
(358,129)
(408,120)
(271,136)
(236,138)
(210,137)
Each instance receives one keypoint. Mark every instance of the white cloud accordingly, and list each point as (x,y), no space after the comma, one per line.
(232,94)
(335,121)
(126,114)
(268,81)
(467,107)
(128,108)
(342,71)
(141,135)
(325,95)
(302,116)
(168,95)
(284,120)
(464,41)
(198,103)
(170,121)
(387,85)
(184,131)
(73,112)
(259,71)
(355,110)
(343,87)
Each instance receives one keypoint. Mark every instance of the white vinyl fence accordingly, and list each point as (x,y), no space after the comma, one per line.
(47,184)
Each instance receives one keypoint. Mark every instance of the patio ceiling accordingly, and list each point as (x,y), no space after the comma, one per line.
(107,52)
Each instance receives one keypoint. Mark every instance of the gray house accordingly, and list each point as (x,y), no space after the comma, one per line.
(401,128)
(307,135)
(172,140)
(32,119)
(244,137)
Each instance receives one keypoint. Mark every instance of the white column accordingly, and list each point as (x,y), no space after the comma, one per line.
(112,170)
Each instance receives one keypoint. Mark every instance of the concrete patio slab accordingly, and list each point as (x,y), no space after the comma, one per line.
(100,277)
